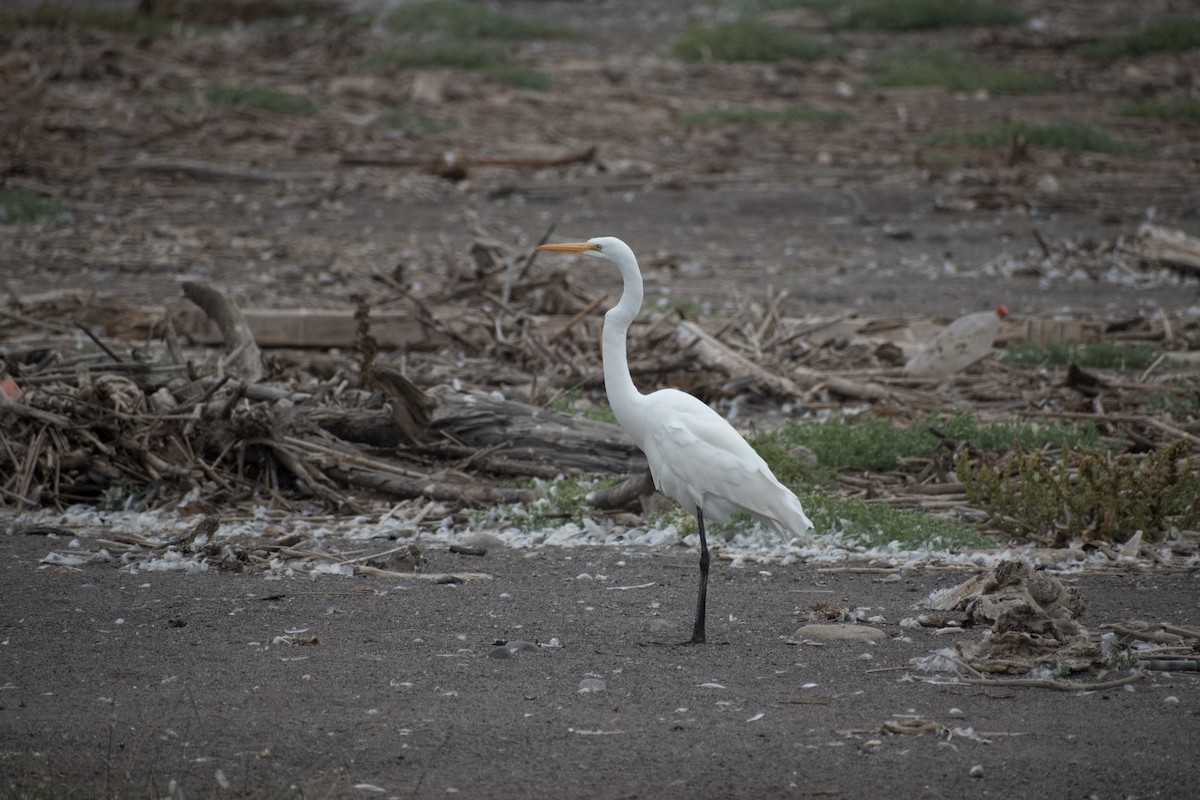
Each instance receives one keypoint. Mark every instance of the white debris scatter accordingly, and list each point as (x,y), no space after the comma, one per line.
(591,686)
(710,685)
(369,787)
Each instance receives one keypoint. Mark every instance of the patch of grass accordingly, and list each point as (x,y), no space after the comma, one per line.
(1077,137)
(519,77)
(573,402)
(450,20)
(1160,36)
(1185,110)
(122,23)
(915,15)
(1105,354)
(557,502)
(842,443)
(399,119)
(747,39)
(264,98)
(18,205)
(446,55)
(122,495)
(880,525)
(1076,492)
(787,116)
(955,70)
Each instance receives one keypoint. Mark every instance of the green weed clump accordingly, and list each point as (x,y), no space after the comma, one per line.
(264,98)
(955,70)
(1160,36)
(451,20)
(913,15)
(1185,110)
(880,525)
(556,502)
(19,205)
(1076,492)
(122,23)
(1077,137)
(569,403)
(842,443)
(786,116)
(1104,354)
(748,39)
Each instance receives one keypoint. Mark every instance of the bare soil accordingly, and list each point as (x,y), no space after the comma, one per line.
(116,684)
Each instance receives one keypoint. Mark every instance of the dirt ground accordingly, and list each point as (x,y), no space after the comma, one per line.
(118,684)
(125,685)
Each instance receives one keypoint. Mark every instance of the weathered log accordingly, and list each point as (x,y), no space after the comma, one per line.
(244,360)
(540,435)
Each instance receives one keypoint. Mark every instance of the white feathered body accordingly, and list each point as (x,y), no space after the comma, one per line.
(701,462)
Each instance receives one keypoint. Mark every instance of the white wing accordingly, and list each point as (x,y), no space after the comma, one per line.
(699,460)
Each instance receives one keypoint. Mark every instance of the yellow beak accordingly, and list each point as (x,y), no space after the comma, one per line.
(569,247)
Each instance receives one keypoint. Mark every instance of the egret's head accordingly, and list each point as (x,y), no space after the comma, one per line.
(602,247)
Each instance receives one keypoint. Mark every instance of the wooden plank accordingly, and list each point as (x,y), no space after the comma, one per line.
(315,327)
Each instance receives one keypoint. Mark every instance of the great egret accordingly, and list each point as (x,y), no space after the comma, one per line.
(695,456)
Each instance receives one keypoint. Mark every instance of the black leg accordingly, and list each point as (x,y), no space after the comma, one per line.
(702,597)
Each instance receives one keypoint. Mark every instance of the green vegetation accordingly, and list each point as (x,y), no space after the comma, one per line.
(956,70)
(878,444)
(1105,354)
(399,119)
(1185,110)
(519,77)
(264,98)
(19,205)
(1077,137)
(1160,36)
(122,495)
(787,116)
(123,23)
(451,20)
(573,402)
(879,525)
(557,502)
(747,39)
(1080,492)
(912,15)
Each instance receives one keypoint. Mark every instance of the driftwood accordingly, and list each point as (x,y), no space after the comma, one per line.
(316,327)
(244,360)
(1172,247)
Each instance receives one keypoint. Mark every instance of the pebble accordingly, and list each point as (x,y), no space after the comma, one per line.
(589,685)
(976,771)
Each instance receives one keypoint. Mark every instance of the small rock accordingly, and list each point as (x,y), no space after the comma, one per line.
(590,685)
(976,771)
(839,632)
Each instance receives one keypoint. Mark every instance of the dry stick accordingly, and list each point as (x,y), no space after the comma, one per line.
(357,459)
(575,320)
(1049,683)
(99,343)
(29,412)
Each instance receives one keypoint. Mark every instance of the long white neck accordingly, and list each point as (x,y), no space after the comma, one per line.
(623,396)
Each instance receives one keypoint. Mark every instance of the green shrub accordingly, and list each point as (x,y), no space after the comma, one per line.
(18,205)
(1160,36)
(1185,110)
(1076,137)
(955,70)
(263,98)
(747,39)
(451,20)
(910,15)
(1082,493)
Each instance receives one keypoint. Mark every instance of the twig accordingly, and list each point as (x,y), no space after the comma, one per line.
(1066,686)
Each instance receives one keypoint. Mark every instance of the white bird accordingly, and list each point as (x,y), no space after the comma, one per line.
(695,456)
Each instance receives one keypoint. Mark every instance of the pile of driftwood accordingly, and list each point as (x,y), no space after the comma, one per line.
(135,406)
